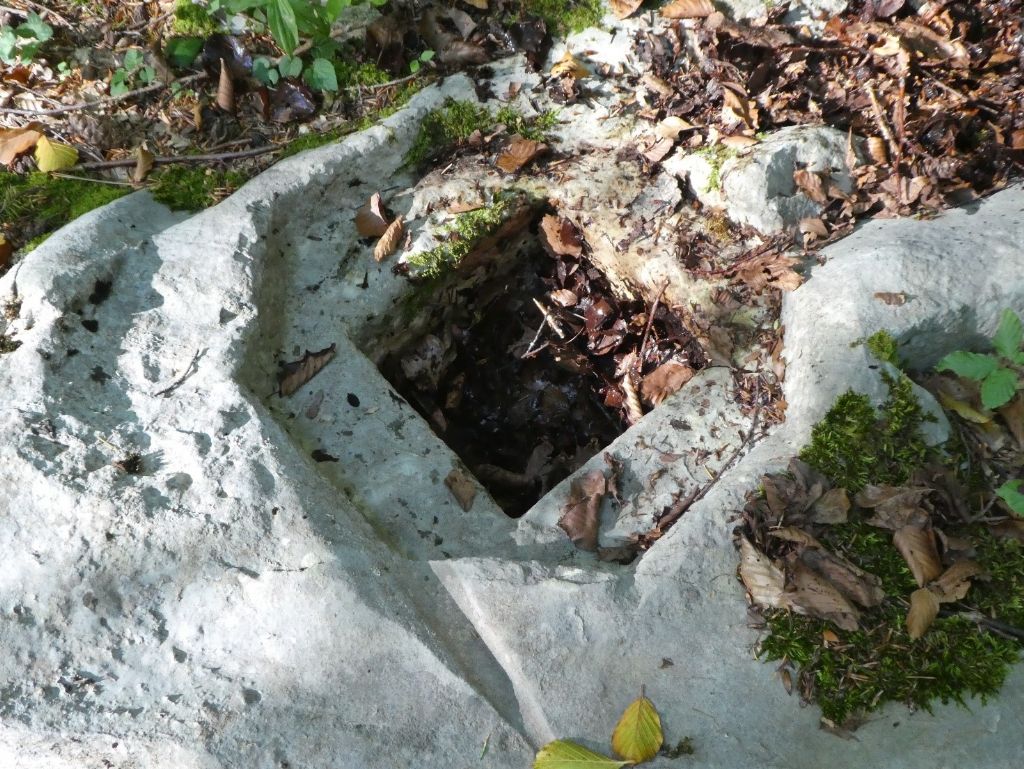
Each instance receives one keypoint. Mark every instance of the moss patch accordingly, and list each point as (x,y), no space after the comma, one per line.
(185,188)
(883,346)
(193,20)
(461,236)
(562,16)
(716,155)
(456,121)
(34,205)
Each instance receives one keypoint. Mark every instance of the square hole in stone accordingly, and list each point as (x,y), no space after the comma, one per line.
(522,368)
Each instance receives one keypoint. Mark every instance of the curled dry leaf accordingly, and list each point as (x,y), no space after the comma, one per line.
(296,373)
(389,240)
(738,141)
(853,582)
(737,108)
(225,90)
(560,237)
(811,184)
(773,270)
(624,8)
(16,141)
(664,381)
(54,156)
(371,218)
(462,488)
(657,151)
(581,518)
(924,608)
(688,9)
(518,153)
(813,228)
(917,546)
(955,581)
(144,160)
(568,66)
(764,581)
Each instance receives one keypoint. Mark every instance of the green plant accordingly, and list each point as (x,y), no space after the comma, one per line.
(419,61)
(461,236)
(191,19)
(133,68)
(1011,494)
(563,16)
(716,155)
(883,346)
(194,188)
(20,44)
(1000,374)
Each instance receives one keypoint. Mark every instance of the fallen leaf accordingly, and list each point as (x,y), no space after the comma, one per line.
(665,380)
(853,582)
(687,9)
(563,297)
(296,373)
(812,228)
(764,581)
(54,156)
(774,270)
(481,4)
(15,141)
(560,236)
(1013,414)
(518,153)
(371,218)
(894,506)
(290,102)
(737,108)
(568,66)
(672,126)
(638,736)
(225,89)
(462,488)
(831,507)
(738,141)
(811,184)
(829,638)
(896,299)
(657,151)
(563,754)
(581,518)
(955,581)
(624,8)
(143,164)
(389,240)
(816,596)
(924,608)
(917,546)
(6,252)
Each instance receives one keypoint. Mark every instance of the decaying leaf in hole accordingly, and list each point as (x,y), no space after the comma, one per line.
(568,66)
(15,141)
(518,153)
(560,236)
(144,160)
(816,596)
(664,381)
(917,546)
(894,299)
(371,218)
(389,240)
(296,373)
(462,488)
(638,736)
(563,297)
(688,9)
(225,90)
(54,156)
(624,8)
(894,506)
(924,608)
(773,269)
(764,581)
(581,518)
(831,507)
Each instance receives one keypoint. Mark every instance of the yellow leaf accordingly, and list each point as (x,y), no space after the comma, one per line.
(568,66)
(54,156)
(638,735)
(562,754)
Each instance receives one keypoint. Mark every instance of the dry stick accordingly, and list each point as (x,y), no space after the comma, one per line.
(895,152)
(99,102)
(91,179)
(209,158)
(650,322)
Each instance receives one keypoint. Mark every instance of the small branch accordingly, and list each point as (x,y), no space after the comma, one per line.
(650,321)
(178,382)
(99,102)
(209,158)
(91,179)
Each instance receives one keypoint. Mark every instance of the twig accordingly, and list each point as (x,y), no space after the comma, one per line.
(208,158)
(99,102)
(91,179)
(388,84)
(549,319)
(650,321)
(178,382)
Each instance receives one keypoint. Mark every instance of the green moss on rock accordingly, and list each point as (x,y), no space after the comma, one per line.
(465,232)
(192,188)
(563,16)
(191,19)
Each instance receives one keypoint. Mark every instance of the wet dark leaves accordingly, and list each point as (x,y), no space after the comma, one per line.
(228,48)
(290,102)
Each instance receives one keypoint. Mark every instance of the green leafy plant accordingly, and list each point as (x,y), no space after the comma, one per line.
(1000,374)
(416,64)
(20,44)
(133,71)
(637,738)
(1010,493)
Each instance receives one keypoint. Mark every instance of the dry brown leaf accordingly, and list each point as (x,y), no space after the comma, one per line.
(738,141)
(6,252)
(924,608)
(813,228)
(893,299)
(144,160)
(624,8)
(955,581)
(581,518)
(774,270)
(371,219)
(814,595)
(563,297)
(389,240)
(657,151)
(831,508)
(737,108)
(460,52)
(296,373)
(811,184)
(225,90)
(560,236)
(664,381)
(917,546)
(687,9)
(878,150)
(518,153)
(16,141)
(568,66)
(850,580)
(1011,528)
(764,581)
(894,506)
(672,126)
(462,487)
